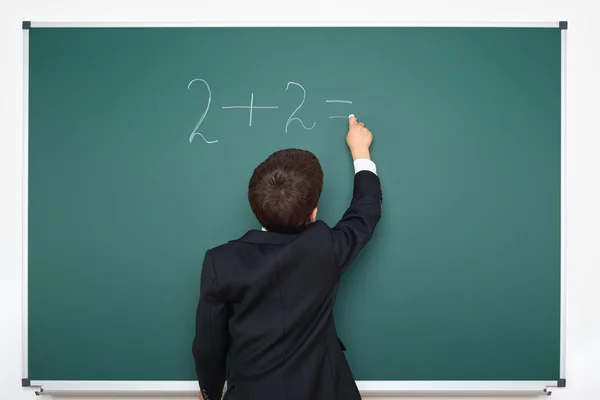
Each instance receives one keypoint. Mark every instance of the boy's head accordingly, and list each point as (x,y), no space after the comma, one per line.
(284,190)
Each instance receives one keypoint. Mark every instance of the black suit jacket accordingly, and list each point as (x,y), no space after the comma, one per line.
(266,306)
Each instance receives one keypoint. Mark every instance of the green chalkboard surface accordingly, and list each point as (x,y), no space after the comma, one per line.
(141,142)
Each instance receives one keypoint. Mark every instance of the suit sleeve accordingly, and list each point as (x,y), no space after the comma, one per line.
(210,344)
(358,223)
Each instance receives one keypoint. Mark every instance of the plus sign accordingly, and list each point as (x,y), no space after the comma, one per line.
(251,107)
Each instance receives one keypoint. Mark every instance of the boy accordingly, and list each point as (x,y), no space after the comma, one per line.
(266,299)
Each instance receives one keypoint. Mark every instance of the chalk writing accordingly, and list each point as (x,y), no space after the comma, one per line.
(292,118)
(338,101)
(251,107)
(195,131)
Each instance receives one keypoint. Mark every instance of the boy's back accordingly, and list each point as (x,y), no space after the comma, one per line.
(266,305)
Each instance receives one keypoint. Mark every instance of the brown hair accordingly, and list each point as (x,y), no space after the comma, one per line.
(285,189)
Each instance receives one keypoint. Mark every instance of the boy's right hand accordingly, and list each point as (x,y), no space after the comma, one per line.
(358,139)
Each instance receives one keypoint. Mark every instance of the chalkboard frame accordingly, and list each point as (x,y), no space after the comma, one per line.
(365,387)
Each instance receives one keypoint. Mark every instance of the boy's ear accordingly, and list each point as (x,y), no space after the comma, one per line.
(313,216)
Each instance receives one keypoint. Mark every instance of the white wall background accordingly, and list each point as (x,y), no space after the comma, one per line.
(583,154)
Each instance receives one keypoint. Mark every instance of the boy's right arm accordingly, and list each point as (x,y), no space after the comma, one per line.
(358,223)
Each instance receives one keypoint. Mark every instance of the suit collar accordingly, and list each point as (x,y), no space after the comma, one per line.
(264,237)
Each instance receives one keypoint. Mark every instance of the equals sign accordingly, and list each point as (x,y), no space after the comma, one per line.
(338,101)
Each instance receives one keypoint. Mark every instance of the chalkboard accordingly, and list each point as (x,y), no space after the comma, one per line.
(141,142)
